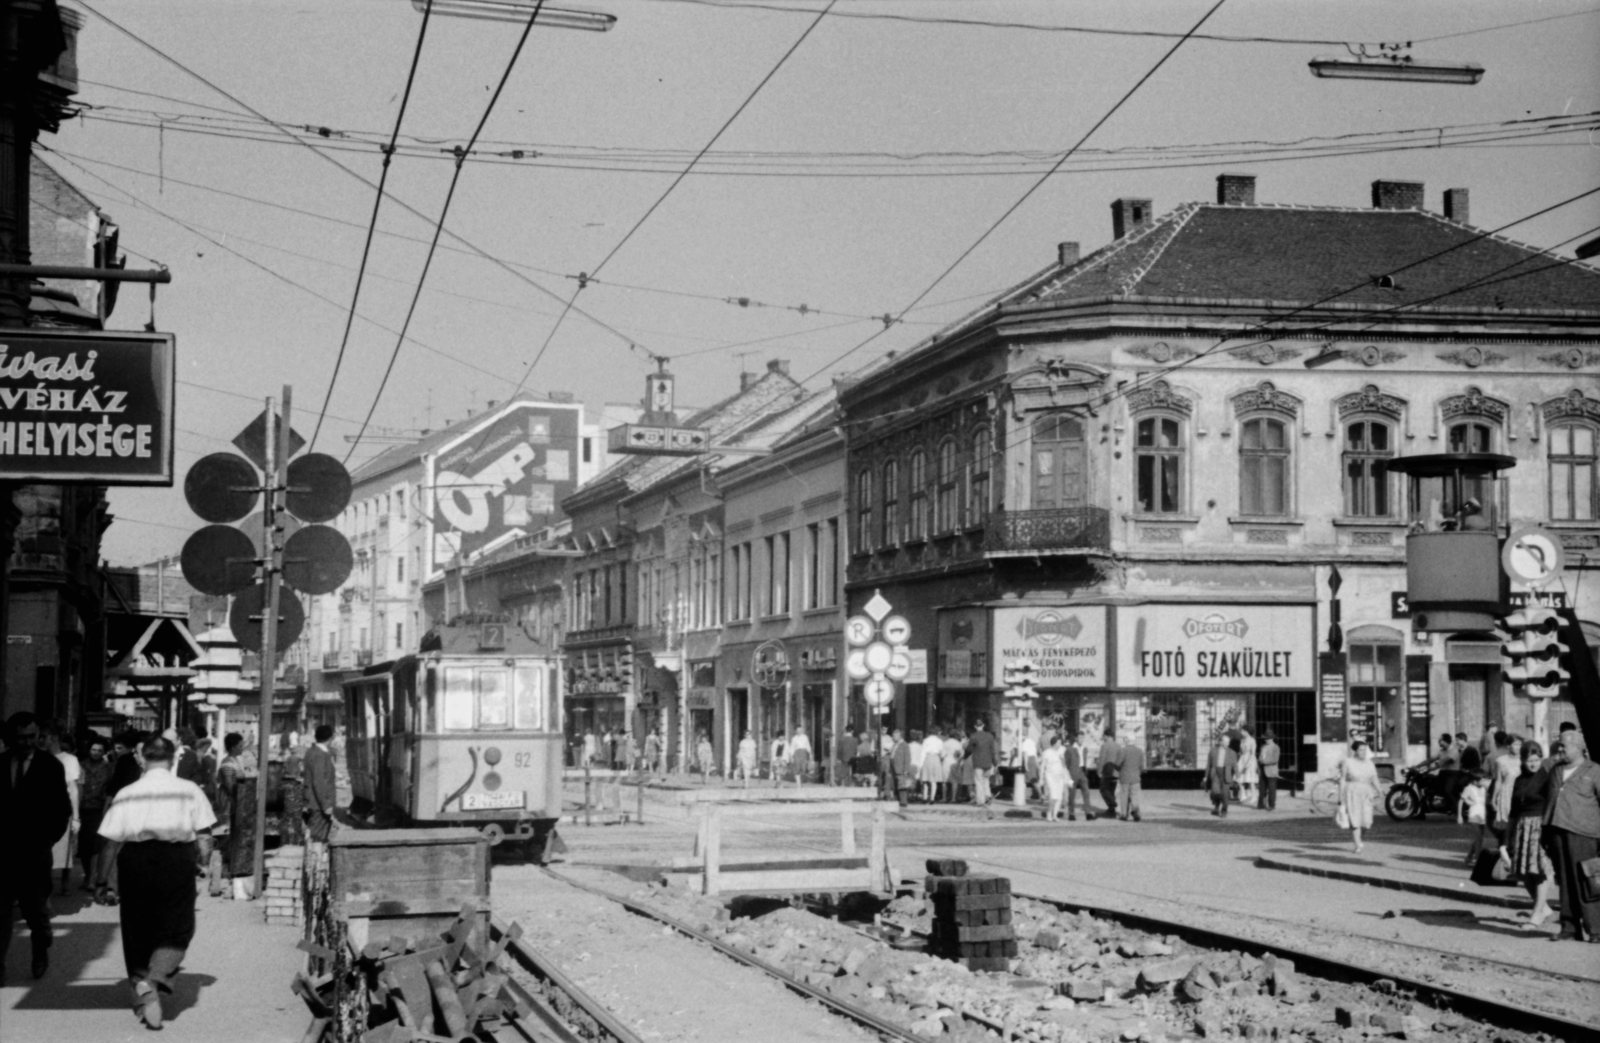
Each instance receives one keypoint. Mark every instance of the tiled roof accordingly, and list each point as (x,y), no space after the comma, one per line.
(1303,255)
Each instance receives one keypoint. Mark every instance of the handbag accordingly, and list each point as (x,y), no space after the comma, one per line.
(1341,818)
(1589,874)
(1491,869)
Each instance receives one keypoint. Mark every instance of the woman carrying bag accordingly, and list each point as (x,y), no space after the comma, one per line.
(1358,791)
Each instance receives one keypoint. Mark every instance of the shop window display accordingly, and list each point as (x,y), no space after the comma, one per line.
(1169,735)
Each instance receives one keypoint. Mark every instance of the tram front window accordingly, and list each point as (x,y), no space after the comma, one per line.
(526,689)
(458,698)
(494,699)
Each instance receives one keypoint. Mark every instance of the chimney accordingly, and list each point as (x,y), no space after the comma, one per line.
(1128,216)
(490,404)
(1397,195)
(778,366)
(1455,205)
(1067,254)
(1236,189)
(746,379)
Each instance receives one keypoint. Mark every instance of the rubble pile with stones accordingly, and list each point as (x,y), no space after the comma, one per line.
(1078,979)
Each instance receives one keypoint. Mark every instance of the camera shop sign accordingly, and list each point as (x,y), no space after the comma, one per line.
(1065,644)
(1215,646)
(86,407)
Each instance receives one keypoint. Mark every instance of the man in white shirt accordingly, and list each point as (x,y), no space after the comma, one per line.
(155,825)
(799,751)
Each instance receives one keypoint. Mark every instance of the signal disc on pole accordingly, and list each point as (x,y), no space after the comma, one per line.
(248,615)
(317,559)
(319,487)
(219,559)
(222,487)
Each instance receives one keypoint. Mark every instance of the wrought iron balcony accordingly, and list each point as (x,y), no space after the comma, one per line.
(1053,529)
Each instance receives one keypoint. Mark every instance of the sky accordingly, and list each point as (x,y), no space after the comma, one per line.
(876,155)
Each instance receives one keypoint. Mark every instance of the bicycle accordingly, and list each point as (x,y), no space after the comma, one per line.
(1324,797)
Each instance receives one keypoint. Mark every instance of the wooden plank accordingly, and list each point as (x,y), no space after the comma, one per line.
(878,859)
(700,834)
(713,850)
(801,881)
(781,863)
(404,837)
(847,831)
(808,808)
(774,796)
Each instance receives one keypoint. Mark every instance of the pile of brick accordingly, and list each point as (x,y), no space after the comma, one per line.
(971,916)
(284,895)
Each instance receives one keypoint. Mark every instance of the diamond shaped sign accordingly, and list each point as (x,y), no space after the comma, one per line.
(252,441)
(878,607)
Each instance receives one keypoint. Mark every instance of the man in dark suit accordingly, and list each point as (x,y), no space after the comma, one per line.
(34,812)
(321,793)
(1077,782)
(1110,756)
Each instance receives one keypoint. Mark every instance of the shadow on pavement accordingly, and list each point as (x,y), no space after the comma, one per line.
(1460,919)
(76,946)
(1456,864)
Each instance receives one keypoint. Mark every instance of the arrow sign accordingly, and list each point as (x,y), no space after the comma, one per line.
(879,692)
(899,665)
(856,665)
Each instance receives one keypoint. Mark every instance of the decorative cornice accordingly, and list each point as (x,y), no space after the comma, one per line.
(1472,357)
(1265,398)
(1265,354)
(1161,352)
(1372,355)
(1571,358)
(1159,395)
(1573,405)
(1473,403)
(1370,400)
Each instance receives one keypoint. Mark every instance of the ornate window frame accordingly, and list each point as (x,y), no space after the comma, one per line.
(1369,405)
(1265,403)
(1158,402)
(1572,410)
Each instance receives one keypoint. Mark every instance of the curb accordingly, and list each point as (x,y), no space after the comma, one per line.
(1433,890)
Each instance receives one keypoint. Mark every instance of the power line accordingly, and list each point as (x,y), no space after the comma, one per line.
(372,223)
(438,229)
(662,198)
(1129,93)
(1509,25)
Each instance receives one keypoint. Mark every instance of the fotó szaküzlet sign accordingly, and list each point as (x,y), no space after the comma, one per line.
(86,406)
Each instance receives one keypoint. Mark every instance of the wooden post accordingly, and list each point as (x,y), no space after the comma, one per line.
(877,859)
(847,832)
(702,832)
(588,783)
(639,815)
(713,849)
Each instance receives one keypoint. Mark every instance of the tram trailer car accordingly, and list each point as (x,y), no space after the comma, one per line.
(442,738)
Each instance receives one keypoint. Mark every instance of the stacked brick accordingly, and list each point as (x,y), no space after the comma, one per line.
(971,916)
(284,895)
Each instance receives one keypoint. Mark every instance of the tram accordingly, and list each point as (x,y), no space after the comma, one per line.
(466,732)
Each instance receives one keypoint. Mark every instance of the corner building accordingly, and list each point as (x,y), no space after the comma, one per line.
(1122,471)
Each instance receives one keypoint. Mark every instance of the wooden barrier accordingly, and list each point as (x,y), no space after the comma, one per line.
(796,874)
(394,882)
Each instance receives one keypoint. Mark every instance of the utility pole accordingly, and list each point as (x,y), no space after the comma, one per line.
(277,452)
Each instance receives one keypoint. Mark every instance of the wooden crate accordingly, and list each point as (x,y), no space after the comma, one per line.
(388,882)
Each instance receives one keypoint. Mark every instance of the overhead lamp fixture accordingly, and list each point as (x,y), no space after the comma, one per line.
(1461,73)
(519,11)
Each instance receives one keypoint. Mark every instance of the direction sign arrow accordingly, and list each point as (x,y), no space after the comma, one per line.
(856,665)
(879,692)
(899,667)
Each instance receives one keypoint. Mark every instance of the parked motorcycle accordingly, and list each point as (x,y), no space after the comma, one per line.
(1420,791)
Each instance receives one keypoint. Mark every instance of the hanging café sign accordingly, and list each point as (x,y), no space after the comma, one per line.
(86,406)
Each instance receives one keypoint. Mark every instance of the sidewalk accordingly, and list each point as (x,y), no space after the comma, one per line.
(234,985)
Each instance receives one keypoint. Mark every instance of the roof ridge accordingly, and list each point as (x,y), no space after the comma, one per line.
(1113,249)
(1175,220)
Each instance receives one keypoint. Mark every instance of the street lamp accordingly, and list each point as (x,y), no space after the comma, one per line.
(1463,73)
(520,11)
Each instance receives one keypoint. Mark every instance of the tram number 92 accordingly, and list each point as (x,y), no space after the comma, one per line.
(522,760)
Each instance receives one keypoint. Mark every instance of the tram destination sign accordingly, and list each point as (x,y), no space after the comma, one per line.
(86,406)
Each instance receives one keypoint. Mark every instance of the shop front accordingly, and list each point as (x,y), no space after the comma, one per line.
(598,685)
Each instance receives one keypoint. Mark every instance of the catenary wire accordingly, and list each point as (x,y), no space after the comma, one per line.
(372,222)
(1039,183)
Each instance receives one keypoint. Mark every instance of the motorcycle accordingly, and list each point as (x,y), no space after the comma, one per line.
(1420,791)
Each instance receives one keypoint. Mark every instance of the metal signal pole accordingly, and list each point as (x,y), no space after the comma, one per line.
(277,452)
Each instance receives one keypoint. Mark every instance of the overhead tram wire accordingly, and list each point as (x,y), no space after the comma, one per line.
(222,245)
(662,198)
(438,229)
(1039,183)
(372,223)
(321,154)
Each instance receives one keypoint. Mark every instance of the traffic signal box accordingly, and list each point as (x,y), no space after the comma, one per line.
(971,917)
(1021,679)
(1535,653)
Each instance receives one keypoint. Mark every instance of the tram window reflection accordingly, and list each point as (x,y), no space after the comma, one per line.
(494,699)
(458,697)
(525,692)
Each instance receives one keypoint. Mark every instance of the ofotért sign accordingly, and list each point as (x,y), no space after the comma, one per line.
(1216,646)
(86,406)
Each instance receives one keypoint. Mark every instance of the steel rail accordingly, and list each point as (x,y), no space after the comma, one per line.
(1494,1011)
(538,965)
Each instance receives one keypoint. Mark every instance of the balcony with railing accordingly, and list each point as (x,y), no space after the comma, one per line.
(337,660)
(363,657)
(1054,529)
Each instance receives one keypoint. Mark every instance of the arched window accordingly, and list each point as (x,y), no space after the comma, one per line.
(1263,468)
(918,488)
(1158,464)
(891,503)
(863,510)
(1059,462)
(1368,448)
(978,486)
(947,498)
(1572,468)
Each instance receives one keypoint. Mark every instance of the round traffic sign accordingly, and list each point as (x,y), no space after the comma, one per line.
(254,525)
(879,692)
(897,630)
(218,559)
(319,487)
(247,618)
(1533,556)
(317,559)
(858,631)
(899,667)
(222,487)
(878,657)
(856,665)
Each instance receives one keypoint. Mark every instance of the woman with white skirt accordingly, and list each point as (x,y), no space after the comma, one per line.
(1053,766)
(1248,773)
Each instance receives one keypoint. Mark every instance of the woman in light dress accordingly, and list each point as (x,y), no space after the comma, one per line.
(747,757)
(950,757)
(1248,772)
(1358,789)
(1053,766)
(931,773)
(705,756)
